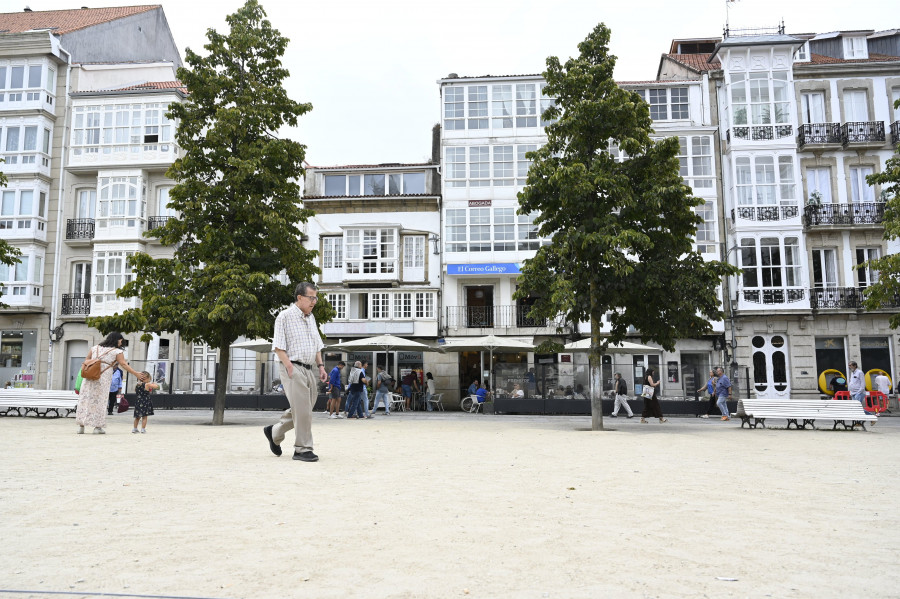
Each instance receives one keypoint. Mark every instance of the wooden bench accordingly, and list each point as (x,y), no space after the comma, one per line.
(803,412)
(42,402)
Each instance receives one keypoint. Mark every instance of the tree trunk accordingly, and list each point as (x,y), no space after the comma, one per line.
(594,359)
(221,383)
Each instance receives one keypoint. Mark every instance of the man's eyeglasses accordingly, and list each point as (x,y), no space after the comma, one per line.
(312,298)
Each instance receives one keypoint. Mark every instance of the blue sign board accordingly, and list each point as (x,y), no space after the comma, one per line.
(497,268)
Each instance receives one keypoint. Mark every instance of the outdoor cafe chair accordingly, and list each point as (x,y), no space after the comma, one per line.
(436,401)
(398,402)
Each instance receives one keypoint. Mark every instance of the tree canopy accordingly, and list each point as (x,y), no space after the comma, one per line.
(236,245)
(886,292)
(621,230)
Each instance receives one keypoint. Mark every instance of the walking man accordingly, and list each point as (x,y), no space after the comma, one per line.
(857,384)
(298,345)
(723,392)
(621,397)
(335,386)
(382,380)
(356,383)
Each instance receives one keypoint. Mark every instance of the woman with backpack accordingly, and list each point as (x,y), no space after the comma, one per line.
(94,393)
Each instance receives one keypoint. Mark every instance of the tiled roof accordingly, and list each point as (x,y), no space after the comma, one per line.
(696,62)
(354,166)
(65,21)
(154,85)
(820,59)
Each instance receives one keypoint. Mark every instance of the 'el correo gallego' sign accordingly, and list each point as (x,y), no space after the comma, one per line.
(497,268)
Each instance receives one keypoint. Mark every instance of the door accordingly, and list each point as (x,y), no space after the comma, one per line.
(480,306)
(76,351)
(81,278)
(770,366)
(860,190)
(824,268)
(866,275)
(812,107)
(203,368)
(818,181)
(87,200)
(856,107)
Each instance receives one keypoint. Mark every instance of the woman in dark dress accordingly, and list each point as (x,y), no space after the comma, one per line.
(143,405)
(651,405)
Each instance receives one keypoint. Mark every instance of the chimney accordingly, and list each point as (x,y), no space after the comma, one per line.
(28,9)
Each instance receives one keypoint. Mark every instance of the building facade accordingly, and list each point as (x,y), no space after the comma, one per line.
(376,228)
(803,119)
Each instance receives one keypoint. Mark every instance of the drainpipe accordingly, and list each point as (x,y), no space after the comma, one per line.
(54,303)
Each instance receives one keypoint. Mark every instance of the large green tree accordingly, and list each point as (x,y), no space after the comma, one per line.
(9,255)
(238,200)
(621,230)
(886,291)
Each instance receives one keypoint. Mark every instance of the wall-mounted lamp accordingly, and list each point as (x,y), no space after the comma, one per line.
(436,243)
(56,334)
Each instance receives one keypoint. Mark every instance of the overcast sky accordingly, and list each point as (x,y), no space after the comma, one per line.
(370,67)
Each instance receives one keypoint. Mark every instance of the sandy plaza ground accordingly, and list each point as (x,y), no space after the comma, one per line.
(448,505)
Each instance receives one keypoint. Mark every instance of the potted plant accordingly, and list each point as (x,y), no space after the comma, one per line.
(815,198)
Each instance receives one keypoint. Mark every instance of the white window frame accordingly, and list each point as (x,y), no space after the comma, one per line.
(819,179)
(454,108)
(866,276)
(860,191)
(825,261)
(413,251)
(855,47)
(332,252)
(122,202)
(338,301)
(371,251)
(112,270)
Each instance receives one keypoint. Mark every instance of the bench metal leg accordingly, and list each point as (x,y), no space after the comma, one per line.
(843,423)
(810,422)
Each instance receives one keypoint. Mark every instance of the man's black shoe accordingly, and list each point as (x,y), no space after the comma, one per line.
(306,456)
(275,448)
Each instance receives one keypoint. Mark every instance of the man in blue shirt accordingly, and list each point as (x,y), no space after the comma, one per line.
(115,388)
(723,392)
(335,386)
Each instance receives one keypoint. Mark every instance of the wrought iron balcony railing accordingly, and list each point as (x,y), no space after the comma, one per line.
(759,132)
(773,296)
(842,298)
(863,213)
(863,132)
(76,303)
(819,133)
(157,221)
(80,228)
(765,213)
(895,132)
(496,317)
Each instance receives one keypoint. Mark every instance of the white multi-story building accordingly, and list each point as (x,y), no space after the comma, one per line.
(803,119)
(43,56)
(376,228)
(489,125)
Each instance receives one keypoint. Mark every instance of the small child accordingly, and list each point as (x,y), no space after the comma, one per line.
(143,406)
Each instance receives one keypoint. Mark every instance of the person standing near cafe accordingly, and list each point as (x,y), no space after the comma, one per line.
(298,345)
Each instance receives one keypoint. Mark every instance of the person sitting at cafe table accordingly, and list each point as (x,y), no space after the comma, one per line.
(482,394)
(473,388)
(517,391)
